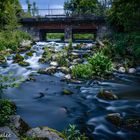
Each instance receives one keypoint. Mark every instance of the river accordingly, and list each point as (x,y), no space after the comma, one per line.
(83,108)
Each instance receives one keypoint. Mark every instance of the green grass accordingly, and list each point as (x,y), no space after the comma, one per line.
(83,36)
(55,36)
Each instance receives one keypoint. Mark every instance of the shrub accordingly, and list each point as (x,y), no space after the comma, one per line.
(62,58)
(123,45)
(82,71)
(12,39)
(7,109)
(101,65)
(74,134)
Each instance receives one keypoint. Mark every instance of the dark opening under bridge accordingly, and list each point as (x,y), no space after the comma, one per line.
(62,22)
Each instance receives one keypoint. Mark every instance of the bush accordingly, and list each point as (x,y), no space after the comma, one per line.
(12,39)
(82,71)
(7,109)
(125,46)
(74,134)
(101,65)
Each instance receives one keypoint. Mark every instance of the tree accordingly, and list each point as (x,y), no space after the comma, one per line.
(29,7)
(34,9)
(9,12)
(124,15)
(81,6)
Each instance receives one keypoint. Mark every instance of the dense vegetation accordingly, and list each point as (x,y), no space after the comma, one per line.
(10,36)
(82,7)
(98,66)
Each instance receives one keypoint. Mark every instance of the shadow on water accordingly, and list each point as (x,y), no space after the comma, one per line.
(41,103)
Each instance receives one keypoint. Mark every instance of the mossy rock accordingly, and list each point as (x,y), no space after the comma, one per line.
(2,59)
(30,53)
(23,63)
(67,92)
(49,71)
(107,95)
(18,58)
(43,60)
(45,133)
(24,49)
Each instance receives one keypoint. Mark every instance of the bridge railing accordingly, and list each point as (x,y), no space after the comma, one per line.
(50,13)
(45,12)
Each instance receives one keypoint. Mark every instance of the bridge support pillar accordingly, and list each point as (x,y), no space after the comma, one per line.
(42,35)
(68,33)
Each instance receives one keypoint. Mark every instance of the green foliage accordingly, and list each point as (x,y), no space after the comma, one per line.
(83,36)
(46,56)
(12,39)
(55,36)
(124,15)
(7,109)
(124,44)
(81,6)
(7,81)
(62,58)
(9,12)
(18,58)
(101,64)
(72,133)
(82,71)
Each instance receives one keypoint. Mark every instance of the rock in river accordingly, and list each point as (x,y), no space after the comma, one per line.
(49,70)
(132,70)
(45,133)
(18,124)
(7,134)
(67,92)
(122,70)
(107,95)
(114,118)
(53,63)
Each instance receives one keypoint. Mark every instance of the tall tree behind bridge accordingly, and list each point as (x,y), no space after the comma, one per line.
(82,7)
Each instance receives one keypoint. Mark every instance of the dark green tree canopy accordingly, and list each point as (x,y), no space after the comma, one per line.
(81,6)
(9,11)
(124,15)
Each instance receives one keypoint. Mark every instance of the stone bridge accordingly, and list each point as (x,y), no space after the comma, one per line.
(38,27)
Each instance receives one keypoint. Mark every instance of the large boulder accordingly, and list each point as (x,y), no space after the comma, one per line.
(45,133)
(19,125)
(8,134)
(49,70)
(64,70)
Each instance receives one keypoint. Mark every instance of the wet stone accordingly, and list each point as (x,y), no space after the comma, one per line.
(107,95)
(7,133)
(114,118)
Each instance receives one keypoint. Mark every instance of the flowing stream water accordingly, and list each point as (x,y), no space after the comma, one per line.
(83,108)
